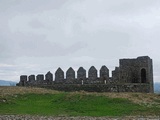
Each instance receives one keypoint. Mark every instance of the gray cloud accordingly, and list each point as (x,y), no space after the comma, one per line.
(19,6)
(36,46)
(39,35)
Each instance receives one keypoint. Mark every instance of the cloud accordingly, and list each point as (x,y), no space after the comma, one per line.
(48,34)
(37,46)
(19,6)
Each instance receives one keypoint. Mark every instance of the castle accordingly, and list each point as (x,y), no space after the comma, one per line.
(132,75)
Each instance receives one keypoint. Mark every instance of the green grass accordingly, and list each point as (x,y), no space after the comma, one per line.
(68,104)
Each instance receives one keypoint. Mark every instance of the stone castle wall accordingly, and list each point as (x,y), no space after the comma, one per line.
(136,71)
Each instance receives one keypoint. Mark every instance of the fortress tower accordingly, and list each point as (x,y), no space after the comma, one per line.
(139,70)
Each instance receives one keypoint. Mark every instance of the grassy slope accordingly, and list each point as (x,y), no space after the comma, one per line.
(16,100)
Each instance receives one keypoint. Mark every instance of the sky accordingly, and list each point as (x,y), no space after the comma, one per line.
(37,36)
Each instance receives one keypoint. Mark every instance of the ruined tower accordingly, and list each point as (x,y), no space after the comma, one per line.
(115,75)
(139,70)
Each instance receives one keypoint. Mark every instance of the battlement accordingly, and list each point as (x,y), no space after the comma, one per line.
(70,77)
(135,71)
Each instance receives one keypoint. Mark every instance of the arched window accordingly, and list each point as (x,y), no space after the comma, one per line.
(143,76)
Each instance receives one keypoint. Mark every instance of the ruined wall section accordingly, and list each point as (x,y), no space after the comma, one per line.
(49,78)
(151,75)
(146,66)
(92,75)
(40,79)
(115,75)
(81,74)
(23,80)
(59,76)
(137,72)
(104,74)
(70,75)
(31,80)
(128,71)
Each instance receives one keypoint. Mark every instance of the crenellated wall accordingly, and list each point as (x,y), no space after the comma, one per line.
(70,77)
(136,71)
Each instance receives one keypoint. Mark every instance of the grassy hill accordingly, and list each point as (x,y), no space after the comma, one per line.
(38,101)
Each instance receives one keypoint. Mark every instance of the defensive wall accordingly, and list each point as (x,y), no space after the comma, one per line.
(132,75)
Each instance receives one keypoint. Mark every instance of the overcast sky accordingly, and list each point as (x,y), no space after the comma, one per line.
(37,36)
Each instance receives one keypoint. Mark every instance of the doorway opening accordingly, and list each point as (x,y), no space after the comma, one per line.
(143,76)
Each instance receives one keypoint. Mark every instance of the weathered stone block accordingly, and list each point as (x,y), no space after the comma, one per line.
(70,74)
(81,74)
(23,80)
(31,78)
(59,75)
(49,77)
(115,75)
(92,74)
(104,74)
(40,78)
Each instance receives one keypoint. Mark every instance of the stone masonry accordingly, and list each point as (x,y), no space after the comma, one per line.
(70,75)
(81,74)
(130,75)
(40,78)
(115,75)
(49,77)
(92,74)
(23,80)
(104,74)
(31,79)
(59,76)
